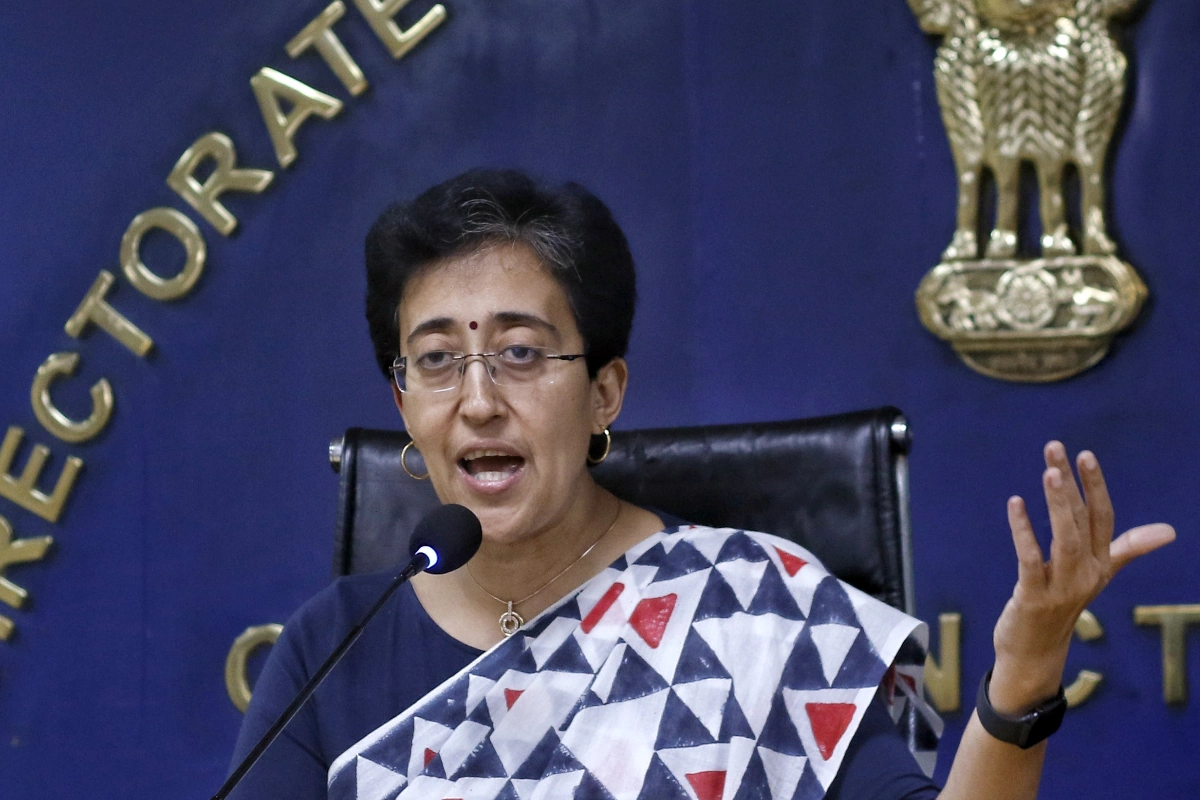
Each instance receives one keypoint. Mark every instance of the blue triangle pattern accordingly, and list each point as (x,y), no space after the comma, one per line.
(481,714)
(679,727)
(717,600)
(568,658)
(861,661)
(809,788)
(635,678)
(773,597)
(697,660)
(683,560)
(589,700)
(832,604)
(482,763)
(754,781)
(733,722)
(395,747)
(660,783)
(656,556)
(779,732)
(740,546)
(803,667)
(536,764)
(452,705)
(562,760)
(508,793)
(591,789)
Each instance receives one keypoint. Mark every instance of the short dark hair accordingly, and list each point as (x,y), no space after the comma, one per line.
(572,232)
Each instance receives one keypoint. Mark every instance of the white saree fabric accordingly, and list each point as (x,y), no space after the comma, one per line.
(704,663)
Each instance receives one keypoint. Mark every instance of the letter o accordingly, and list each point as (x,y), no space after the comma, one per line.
(236,682)
(142,277)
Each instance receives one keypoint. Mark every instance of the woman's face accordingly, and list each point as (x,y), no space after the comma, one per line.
(513,454)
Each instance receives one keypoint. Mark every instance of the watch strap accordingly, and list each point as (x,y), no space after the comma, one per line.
(1025,731)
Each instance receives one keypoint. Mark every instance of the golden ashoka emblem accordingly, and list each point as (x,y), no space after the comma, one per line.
(1040,83)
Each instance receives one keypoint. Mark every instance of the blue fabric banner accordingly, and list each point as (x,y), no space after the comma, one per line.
(783,175)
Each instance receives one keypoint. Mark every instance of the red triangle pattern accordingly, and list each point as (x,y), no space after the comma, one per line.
(791,563)
(707,785)
(429,756)
(511,695)
(651,616)
(829,722)
(601,607)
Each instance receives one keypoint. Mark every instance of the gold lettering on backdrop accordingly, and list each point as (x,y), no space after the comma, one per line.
(54,421)
(1174,621)
(236,681)
(944,681)
(1088,629)
(217,147)
(319,34)
(146,280)
(23,491)
(269,87)
(18,551)
(380,14)
(95,309)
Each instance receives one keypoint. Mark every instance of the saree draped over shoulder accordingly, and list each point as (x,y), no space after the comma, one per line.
(702,664)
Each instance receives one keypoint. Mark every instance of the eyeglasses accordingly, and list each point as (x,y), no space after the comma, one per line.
(442,370)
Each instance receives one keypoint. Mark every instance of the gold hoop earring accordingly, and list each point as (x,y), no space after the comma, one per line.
(404,464)
(607,446)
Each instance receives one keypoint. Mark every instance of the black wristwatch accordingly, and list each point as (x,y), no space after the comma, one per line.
(1025,731)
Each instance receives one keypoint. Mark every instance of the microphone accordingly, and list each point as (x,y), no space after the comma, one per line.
(444,540)
(447,537)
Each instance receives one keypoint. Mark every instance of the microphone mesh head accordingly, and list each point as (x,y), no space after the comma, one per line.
(453,532)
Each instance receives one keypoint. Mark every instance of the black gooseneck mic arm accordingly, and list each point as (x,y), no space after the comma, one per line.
(443,541)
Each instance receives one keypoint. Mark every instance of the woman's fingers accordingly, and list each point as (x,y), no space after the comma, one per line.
(1068,543)
(1056,456)
(1031,568)
(1099,505)
(1139,541)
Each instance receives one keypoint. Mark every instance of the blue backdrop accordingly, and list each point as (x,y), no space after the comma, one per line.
(785,181)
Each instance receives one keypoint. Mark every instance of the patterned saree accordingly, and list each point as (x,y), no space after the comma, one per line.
(702,664)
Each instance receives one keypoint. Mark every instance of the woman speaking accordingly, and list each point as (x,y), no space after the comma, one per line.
(595,649)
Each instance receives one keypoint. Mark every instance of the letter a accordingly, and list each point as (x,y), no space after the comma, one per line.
(269,86)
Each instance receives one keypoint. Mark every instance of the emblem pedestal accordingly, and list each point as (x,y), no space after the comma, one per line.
(1032,320)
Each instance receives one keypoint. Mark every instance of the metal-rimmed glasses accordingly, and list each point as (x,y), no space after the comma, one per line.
(442,370)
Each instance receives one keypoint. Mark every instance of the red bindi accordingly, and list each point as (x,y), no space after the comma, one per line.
(474,324)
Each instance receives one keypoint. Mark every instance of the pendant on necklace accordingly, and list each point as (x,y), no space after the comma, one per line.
(510,621)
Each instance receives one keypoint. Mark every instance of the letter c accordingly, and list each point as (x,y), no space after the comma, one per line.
(54,421)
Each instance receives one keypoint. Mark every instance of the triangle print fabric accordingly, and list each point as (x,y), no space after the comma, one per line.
(703,664)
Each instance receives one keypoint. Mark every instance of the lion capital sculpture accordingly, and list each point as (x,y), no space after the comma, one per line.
(1040,81)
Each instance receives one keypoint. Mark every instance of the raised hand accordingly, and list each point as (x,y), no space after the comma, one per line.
(1034,631)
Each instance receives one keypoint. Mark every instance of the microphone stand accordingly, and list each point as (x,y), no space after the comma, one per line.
(421,561)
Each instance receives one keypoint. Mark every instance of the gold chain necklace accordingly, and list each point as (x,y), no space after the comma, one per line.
(510,620)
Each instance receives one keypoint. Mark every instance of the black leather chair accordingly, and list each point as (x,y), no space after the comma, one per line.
(836,485)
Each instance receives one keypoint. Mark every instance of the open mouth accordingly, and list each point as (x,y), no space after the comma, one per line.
(490,466)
